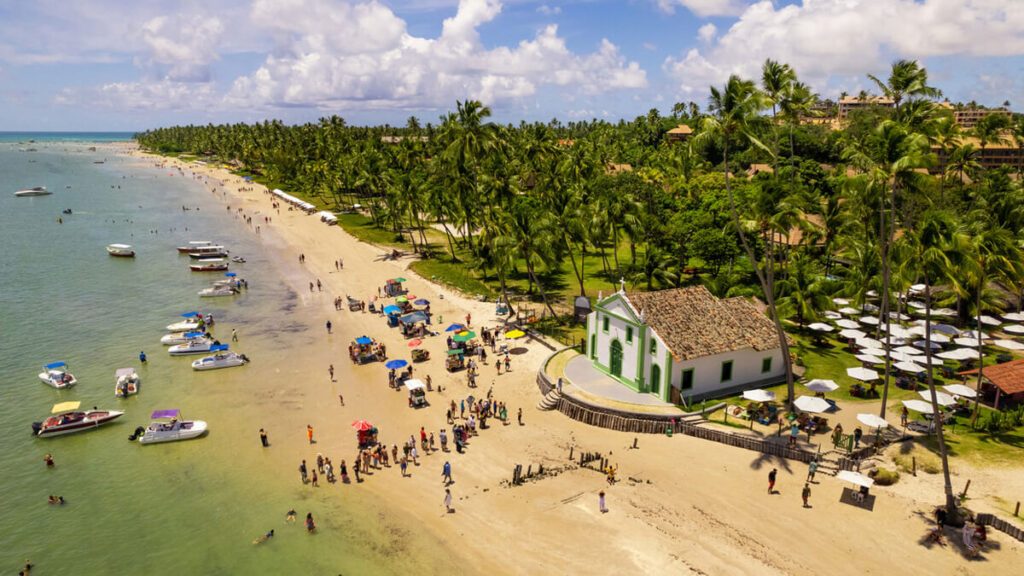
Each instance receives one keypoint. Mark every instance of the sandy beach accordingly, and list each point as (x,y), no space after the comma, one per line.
(681,505)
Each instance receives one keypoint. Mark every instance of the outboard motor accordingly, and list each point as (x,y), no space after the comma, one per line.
(36,427)
(138,433)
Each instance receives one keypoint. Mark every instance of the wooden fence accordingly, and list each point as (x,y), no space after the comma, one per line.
(1001,525)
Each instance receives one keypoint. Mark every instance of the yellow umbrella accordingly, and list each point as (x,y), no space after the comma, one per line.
(513,334)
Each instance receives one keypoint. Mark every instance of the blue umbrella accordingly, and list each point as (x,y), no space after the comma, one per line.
(455,328)
(422,302)
(396,364)
(230,274)
(363,340)
(190,314)
(392,309)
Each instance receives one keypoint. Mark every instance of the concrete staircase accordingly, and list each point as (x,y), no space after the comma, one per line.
(550,401)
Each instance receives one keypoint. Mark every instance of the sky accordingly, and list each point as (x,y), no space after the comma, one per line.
(131,65)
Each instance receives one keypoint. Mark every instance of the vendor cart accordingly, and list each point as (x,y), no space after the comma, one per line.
(366,434)
(456,360)
(417,393)
(354,305)
(420,355)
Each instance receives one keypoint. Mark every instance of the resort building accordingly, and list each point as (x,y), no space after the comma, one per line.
(993,155)
(1002,385)
(848,104)
(969,117)
(679,134)
(683,345)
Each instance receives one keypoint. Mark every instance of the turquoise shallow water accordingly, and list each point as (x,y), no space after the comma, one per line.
(188,507)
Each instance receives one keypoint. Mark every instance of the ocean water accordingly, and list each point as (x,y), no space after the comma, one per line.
(183,508)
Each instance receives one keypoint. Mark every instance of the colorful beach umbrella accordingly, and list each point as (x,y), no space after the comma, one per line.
(399,280)
(464,336)
(396,364)
(401,299)
(415,343)
(514,334)
(392,309)
(455,328)
(362,425)
(364,340)
(422,302)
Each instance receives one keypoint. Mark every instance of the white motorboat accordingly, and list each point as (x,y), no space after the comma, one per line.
(37,191)
(122,250)
(67,418)
(56,374)
(194,346)
(126,382)
(209,265)
(226,360)
(209,252)
(167,426)
(192,321)
(180,337)
(218,290)
(194,246)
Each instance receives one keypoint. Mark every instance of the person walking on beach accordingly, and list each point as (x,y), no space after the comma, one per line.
(263,438)
(319,286)
(771,480)
(508,363)
(234,335)
(316,484)
(404,464)
(462,409)
(600,502)
(444,440)
(330,370)
(309,433)
(812,469)
(806,494)
(447,500)
(903,417)
(446,473)
(857,434)
(328,326)
(302,471)
(519,416)
(469,318)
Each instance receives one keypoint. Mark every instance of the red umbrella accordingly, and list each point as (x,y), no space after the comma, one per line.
(415,343)
(362,425)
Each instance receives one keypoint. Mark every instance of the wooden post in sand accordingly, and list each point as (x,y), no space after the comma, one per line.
(570,452)
(1016,511)
(964,493)
(913,465)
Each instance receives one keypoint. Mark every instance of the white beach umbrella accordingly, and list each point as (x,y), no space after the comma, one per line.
(819,385)
(961,390)
(1013,329)
(941,398)
(910,367)
(872,420)
(868,320)
(849,311)
(970,342)
(870,359)
(947,329)
(973,335)
(874,352)
(916,304)
(812,404)
(917,289)
(958,354)
(832,315)
(855,478)
(820,327)
(759,395)
(944,312)
(841,301)
(989,321)
(897,331)
(862,374)
(939,338)
(903,357)
(898,316)
(872,294)
(852,333)
(908,350)
(925,344)
(918,406)
(1009,344)
(844,323)
(1014,317)
(868,343)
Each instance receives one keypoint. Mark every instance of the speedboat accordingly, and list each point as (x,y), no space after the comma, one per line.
(180,337)
(167,426)
(194,346)
(56,374)
(194,246)
(123,250)
(209,265)
(226,360)
(126,382)
(238,259)
(37,191)
(192,321)
(67,418)
(218,290)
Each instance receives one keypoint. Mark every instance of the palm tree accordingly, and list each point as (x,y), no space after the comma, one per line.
(529,234)
(804,292)
(468,141)
(935,239)
(733,111)
(907,79)
(991,129)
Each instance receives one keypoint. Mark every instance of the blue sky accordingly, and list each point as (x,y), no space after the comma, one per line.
(116,65)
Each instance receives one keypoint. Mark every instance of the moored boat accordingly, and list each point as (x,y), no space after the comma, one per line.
(193,246)
(217,361)
(122,250)
(192,321)
(37,191)
(208,252)
(194,346)
(180,337)
(126,382)
(56,374)
(209,265)
(167,426)
(219,290)
(67,418)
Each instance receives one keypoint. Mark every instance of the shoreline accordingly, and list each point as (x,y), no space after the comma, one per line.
(669,519)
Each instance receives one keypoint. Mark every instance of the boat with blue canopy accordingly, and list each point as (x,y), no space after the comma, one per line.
(168,426)
(222,359)
(180,337)
(56,374)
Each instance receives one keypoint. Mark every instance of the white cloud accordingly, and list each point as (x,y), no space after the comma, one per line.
(706,33)
(549,10)
(333,54)
(181,47)
(142,95)
(825,38)
(704,8)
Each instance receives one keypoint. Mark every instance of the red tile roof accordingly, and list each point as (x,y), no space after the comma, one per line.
(1008,376)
